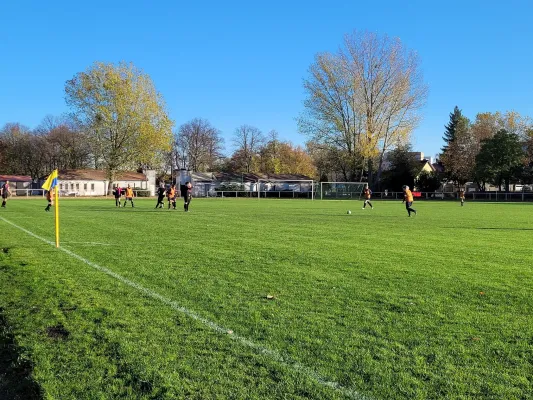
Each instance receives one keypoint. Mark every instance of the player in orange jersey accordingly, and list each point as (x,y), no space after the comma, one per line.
(408,198)
(129,196)
(171,196)
(462,197)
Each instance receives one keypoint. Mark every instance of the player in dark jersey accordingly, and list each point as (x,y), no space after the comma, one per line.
(118,194)
(160,196)
(367,193)
(5,192)
(49,198)
(186,191)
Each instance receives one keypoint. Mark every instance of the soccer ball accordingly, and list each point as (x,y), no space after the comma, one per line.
(348,212)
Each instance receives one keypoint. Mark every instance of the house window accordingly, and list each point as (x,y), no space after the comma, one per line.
(60,186)
(77,186)
(71,186)
(92,187)
(84,186)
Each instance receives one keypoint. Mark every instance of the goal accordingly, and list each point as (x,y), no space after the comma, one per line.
(341,190)
(280,188)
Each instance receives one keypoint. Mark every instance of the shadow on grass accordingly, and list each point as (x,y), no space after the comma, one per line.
(489,228)
(508,229)
(16,382)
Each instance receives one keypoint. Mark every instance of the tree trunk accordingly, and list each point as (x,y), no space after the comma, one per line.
(111,178)
(370,173)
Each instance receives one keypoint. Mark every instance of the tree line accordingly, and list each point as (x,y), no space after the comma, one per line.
(361,106)
(60,142)
(361,102)
(495,148)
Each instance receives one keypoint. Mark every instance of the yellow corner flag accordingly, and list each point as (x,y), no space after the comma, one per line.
(51,181)
(50,184)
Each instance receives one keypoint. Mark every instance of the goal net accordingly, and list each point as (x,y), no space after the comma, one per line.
(279,188)
(340,190)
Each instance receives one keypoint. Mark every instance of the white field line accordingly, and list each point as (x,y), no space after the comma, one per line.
(89,243)
(273,354)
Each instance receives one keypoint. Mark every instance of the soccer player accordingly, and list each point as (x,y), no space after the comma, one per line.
(187,195)
(49,197)
(118,195)
(367,193)
(129,196)
(408,198)
(462,197)
(160,196)
(5,192)
(171,196)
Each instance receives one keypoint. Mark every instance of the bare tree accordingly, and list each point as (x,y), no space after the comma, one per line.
(67,144)
(248,141)
(24,152)
(365,100)
(198,145)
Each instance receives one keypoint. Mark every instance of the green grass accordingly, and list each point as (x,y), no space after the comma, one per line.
(380,305)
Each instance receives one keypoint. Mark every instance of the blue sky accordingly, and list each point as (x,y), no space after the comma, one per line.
(243,62)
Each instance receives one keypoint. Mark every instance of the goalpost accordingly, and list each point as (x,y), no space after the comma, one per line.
(341,190)
(283,185)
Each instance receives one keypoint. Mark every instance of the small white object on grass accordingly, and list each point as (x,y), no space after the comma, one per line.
(348,212)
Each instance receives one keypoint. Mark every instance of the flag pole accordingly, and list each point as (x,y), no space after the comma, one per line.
(56,192)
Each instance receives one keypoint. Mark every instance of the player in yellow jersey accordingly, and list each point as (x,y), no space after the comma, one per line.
(408,198)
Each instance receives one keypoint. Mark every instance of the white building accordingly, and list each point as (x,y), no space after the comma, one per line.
(91,182)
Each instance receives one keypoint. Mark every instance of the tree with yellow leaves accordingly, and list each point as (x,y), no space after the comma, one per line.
(125,118)
(365,99)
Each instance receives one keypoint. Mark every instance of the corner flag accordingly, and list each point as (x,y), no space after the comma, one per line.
(51,181)
(50,184)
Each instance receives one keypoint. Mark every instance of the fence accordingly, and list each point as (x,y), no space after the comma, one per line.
(67,193)
(435,196)
(276,194)
(290,194)
(430,196)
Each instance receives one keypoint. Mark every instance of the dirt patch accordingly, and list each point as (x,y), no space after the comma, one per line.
(57,332)
(16,382)
(66,308)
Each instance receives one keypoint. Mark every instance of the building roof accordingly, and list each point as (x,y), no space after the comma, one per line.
(98,175)
(15,178)
(249,177)
(425,162)
(203,176)
(438,167)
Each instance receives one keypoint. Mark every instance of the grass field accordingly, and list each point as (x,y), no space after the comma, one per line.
(158,304)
